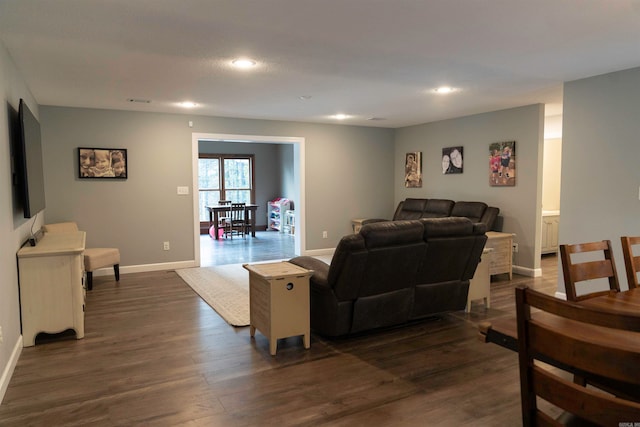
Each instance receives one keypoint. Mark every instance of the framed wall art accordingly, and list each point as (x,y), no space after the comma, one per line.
(102,163)
(502,164)
(452,160)
(413,170)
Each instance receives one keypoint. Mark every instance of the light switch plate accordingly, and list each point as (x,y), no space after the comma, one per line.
(183,190)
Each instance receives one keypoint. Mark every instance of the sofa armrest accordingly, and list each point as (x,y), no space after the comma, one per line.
(320,269)
(489,216)
(373,220)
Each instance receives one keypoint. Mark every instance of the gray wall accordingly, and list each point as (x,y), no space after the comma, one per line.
(600,152)
(133,214)
(287,177)
(519,205)
(14,228)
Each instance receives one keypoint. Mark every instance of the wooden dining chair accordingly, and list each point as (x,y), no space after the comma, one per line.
(631,261)
(539,343)
(588,270)
(237,221)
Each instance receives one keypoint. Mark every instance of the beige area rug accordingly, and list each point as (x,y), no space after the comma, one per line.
(225,288)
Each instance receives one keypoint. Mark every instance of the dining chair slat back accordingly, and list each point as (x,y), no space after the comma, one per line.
(576,272)
(538,341)
(631,261)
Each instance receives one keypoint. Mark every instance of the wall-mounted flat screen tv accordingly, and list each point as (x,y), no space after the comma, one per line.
(30,169)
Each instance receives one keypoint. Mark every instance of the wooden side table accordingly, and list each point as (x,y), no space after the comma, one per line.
(356,224)
(279,301)
(479,285)
(501,259)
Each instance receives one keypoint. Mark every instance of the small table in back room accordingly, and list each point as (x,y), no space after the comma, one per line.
(214,210)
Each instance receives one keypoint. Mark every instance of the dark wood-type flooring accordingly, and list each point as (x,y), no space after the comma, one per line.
(155,354)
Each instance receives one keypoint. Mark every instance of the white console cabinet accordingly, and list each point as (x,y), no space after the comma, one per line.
(51,277)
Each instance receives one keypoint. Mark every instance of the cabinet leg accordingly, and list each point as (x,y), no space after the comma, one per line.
(252,331)
(307,340)
(273,346)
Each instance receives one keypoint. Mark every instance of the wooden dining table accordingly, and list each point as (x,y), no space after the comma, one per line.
(214,211)
(503,331)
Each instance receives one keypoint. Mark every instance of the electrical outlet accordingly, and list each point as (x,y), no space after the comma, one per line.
(0,334)
(515,247)
(166,246)
(324,235)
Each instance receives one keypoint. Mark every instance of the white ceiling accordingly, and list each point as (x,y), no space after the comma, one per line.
(365,58)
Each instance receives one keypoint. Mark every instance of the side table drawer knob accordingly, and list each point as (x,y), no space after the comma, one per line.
(289,286)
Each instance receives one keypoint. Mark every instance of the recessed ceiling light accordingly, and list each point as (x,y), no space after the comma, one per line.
(340,116)
(187,104)
(445,89)
(139,100)
(305,97)
(243,63)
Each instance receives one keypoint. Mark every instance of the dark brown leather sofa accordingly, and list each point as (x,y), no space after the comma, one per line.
(393,272)
(441,208)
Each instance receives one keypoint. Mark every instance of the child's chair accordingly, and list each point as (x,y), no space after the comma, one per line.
(94,258)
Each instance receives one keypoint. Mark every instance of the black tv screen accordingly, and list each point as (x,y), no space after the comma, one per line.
(30,154)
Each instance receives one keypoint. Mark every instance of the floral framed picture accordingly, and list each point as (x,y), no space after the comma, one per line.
(502,164)
(413,170)
(102,163)
(452,160)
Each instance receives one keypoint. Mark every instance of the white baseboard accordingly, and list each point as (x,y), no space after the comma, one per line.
(320,252)
(10,367)
(561,295)
(529,272)
(141,268)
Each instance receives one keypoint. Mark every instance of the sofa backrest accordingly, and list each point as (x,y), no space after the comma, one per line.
(396,249)
(347,267)
(441,208)
(471,210)
(410,209)
(454,247)
(438,208)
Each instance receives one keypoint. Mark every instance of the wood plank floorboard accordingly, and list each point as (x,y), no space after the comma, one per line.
(155,354)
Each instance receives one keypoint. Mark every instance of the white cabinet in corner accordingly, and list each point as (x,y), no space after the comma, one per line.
(51,277)
(550,226)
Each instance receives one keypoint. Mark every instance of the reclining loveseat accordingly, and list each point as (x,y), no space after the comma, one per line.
(392,272)
(441,208)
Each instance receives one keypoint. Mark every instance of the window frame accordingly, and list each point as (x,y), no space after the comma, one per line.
(204,225)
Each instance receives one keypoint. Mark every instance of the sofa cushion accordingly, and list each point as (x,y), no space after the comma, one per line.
(410,209)
(396,249)
(438,208)
(450,226)
(471,210)
(391,233)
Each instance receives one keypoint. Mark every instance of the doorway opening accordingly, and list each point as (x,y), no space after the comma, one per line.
(297,177)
